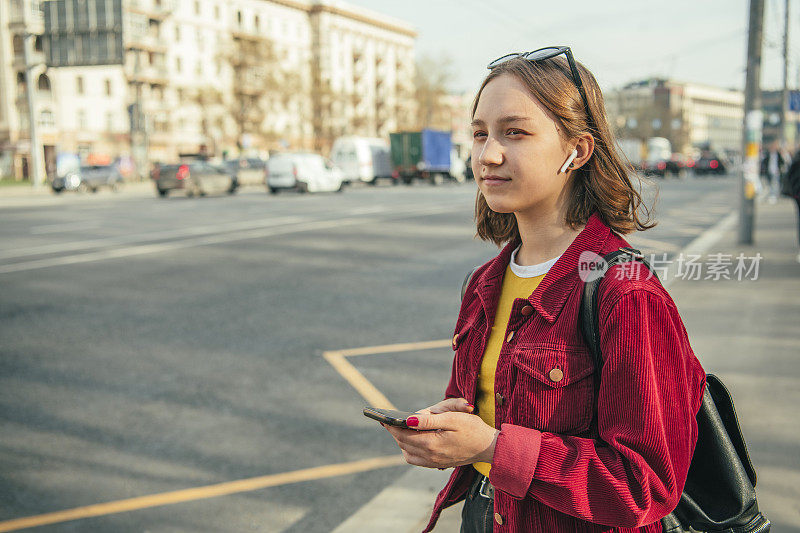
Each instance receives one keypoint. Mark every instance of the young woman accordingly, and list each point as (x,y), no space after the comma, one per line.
(544,449)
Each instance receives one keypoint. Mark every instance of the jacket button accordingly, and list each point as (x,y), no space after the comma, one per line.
(526,311)
(556,375)
(498,399)
(455,340)
(510,336)
(498,518)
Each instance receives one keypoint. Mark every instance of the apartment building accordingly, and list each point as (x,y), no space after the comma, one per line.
(692,116)
(220,77)
(19,18)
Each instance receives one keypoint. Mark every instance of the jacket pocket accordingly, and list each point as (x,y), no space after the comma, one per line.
(554,389)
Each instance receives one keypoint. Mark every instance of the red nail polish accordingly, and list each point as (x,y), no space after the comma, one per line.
(412,421)
(470,406)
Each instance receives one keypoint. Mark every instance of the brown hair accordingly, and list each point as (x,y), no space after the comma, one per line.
(602,184)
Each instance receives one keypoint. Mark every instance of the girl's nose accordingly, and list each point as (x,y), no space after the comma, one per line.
(492,153)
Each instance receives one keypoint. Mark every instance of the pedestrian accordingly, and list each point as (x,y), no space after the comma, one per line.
(791,188)
(773,166)
(536,444)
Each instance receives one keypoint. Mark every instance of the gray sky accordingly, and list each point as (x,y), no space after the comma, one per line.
(690,40)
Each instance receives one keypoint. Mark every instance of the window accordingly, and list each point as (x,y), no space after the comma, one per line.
(178,64)
(257,23)
(216,13)
(109,121)
(198,69)
(81,119)
(177,33)
(239,18)
(196,7)
(79,84)
(46,119)
(44,83)
(200,39)
(108,87)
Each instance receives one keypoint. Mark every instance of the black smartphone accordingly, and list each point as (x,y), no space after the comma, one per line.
(388,416)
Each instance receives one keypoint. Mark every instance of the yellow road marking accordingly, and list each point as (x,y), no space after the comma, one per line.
(199,493)
(375,398)
(392,348)
(366,389)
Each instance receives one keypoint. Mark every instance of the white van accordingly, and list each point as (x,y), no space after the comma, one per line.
(364,159)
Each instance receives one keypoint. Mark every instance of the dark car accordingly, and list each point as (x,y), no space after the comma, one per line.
(88,178)
(710,164)
(676,165)
(197,178)
(248,170)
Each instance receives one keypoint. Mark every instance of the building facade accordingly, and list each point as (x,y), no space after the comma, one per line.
(691,116)
(219,77)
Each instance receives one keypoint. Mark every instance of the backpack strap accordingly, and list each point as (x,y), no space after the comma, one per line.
(466,281)
(588,318)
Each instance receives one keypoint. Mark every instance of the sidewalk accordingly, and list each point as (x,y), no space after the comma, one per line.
(28,196)
(747,332)
(23,191)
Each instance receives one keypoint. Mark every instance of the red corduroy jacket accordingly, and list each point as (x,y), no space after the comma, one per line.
(556,467)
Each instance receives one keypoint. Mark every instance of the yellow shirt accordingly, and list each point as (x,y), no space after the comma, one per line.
(513,287)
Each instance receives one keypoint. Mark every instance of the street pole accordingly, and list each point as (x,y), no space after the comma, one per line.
(785,134)
(37,160)
(753,123)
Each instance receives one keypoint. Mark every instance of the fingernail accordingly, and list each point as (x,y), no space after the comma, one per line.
(470,406)
(412,421)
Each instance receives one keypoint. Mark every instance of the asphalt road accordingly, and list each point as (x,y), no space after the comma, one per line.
(153,345)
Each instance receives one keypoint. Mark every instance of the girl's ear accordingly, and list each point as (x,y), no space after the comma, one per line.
(585,148)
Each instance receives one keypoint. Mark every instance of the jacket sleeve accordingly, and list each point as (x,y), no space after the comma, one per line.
(649,395)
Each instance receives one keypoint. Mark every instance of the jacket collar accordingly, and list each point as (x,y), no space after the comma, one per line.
(559,282)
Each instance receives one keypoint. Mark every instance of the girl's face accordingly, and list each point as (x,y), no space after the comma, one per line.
(517,151)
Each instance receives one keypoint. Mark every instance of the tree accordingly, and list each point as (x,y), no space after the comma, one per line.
(432,79)
(264,85)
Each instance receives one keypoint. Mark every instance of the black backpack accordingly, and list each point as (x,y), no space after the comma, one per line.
(719,495)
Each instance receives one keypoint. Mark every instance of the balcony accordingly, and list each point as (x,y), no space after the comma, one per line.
(149,43)
(154,75)
(37,58)
(24,18)
(154,9)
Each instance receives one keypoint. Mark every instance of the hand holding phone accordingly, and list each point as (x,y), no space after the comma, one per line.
(388,416)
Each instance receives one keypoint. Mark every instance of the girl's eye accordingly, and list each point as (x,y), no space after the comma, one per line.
(515,132)
(478,134)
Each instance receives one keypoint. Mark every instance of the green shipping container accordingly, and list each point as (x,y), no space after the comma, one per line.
(406,150)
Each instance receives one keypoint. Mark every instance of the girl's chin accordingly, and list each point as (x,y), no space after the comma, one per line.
(500,205)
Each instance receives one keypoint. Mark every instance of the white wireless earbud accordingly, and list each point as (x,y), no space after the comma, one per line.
(572,156)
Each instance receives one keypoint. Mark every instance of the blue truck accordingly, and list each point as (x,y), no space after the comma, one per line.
(422,155)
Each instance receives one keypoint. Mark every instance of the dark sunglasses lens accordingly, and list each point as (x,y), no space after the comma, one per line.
(544,53)
(503,59)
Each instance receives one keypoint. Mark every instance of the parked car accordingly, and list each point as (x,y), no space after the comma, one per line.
(710,163)
(363,159)
(196,178)
(302,172)
(88,178)
(676,165)
(248,170)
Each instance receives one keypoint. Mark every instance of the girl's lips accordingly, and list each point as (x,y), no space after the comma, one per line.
(495,180)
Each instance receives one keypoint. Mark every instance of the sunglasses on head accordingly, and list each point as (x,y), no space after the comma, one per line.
(543,54)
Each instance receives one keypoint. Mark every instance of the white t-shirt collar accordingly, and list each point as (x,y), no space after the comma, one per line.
(530,271)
